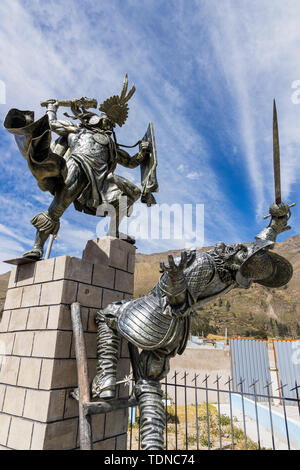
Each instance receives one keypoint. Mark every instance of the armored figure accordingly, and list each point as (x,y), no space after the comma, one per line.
(79,166)
(158,323)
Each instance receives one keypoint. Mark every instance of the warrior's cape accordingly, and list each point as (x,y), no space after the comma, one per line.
(34,141)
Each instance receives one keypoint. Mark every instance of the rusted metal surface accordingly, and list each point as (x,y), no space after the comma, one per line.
(85,429)
(86,407)
(100,407)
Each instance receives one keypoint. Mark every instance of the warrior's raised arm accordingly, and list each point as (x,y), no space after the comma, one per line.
(60,127)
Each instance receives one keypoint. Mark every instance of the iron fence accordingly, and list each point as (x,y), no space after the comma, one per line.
(209,414)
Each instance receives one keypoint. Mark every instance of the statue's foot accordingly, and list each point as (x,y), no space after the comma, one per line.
(35,253)
(122,236)
(104,386)
(126,238)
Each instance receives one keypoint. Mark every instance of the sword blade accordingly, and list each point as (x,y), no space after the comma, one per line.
(276,157)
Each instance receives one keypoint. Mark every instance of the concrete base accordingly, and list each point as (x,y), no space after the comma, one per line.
(278,422)
(37,359)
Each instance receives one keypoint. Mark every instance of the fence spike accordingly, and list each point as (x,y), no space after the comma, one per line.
(230,379)
(206,378)
(280,388)
(195,378)
(254,383)
(185,375)
(242,381)
(175,375)
(268,384)
(218,379)
(295,388)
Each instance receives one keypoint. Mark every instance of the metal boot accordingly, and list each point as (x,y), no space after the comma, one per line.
(45,226)
(152,414)
(108,342)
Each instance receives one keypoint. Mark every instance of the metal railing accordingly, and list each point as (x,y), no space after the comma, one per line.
(209,414)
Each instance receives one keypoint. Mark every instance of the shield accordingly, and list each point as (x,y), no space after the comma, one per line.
(264,267)
(148,169)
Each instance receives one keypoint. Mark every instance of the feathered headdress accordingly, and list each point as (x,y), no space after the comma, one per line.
(116,107)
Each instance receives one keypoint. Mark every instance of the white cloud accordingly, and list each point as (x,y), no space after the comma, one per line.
(194,175)
(47,60)
(9,249)
(43,198)
(74,236)
(233,62)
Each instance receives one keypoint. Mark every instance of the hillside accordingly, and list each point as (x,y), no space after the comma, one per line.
(244,312)
(4,278)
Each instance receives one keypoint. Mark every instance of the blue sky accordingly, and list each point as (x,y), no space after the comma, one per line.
(206,73)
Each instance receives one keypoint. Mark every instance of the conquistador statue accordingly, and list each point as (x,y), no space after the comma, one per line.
(158,323)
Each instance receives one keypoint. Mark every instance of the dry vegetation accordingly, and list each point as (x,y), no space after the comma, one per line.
(198,418)
(3,288)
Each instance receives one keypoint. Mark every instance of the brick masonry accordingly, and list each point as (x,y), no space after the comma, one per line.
(37,361)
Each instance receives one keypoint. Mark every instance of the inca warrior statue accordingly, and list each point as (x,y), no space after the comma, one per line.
(79,166)
(158,323)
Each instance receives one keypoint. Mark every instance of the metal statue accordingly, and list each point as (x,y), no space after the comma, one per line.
(79,166)
(158,323)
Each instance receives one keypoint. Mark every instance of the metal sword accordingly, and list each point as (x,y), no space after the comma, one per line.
(82,102)
(276,156)
(276,166)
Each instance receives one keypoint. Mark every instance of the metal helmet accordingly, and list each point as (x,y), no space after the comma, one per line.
(264,267)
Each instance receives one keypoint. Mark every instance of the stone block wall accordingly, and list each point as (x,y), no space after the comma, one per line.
(38,366)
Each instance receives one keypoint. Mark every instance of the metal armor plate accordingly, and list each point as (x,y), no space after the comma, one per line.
(101,138)
(199,274)
(144,322)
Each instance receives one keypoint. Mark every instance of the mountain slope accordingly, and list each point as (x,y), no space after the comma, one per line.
(242,312)
(4,278)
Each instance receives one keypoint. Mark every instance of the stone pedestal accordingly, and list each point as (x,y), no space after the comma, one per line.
(38,368)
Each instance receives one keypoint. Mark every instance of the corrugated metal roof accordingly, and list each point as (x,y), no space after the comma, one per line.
(287,357)
(250,362)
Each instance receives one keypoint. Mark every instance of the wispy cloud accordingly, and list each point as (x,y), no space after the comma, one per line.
(256,46)
(205,76)
(194,175)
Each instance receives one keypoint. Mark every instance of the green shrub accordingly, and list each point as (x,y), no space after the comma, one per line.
(203,440)
(238,434)
(224,420)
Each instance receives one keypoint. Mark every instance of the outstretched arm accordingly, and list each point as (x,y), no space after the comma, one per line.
(59,127)
(132,162)
(280,214)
